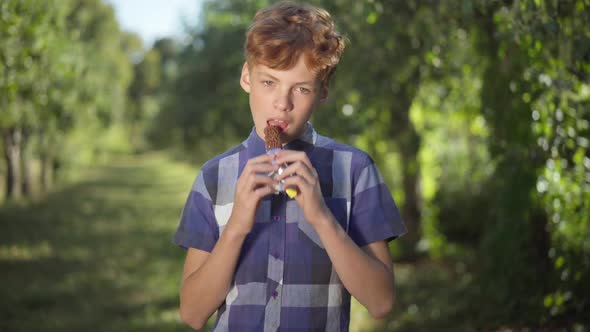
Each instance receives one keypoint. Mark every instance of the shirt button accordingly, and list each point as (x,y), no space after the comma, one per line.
(276,218)
(275,294)
(275,255)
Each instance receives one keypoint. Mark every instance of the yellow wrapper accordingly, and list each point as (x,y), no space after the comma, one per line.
(291,192)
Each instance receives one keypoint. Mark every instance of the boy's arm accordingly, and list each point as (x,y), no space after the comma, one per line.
(207,277)
(366,273)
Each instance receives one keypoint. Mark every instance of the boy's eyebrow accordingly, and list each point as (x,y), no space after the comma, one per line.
(276,79)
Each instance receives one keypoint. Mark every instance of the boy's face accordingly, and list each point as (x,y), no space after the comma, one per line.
(284,98)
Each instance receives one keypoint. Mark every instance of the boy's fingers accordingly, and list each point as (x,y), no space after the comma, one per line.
(297,181)
(258,181)
(260,160)
(258,167)
(252,179)
(286,156)
(290,155)
(263,192)
(263,158)
(298,168)
(261,168)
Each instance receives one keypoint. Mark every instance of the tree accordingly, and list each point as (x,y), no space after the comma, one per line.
(393,48)
(62,66)
(526,46)
(27,32)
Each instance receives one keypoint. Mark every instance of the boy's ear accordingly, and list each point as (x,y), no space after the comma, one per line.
(245,78)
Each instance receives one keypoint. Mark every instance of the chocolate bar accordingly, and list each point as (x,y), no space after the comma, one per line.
(272,138)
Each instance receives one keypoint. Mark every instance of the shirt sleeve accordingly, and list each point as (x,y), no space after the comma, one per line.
(198,227)
(374,215)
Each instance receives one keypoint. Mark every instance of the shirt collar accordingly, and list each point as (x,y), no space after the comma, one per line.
(255,145)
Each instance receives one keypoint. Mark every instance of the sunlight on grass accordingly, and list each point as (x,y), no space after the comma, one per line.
(25,252)
(97,254)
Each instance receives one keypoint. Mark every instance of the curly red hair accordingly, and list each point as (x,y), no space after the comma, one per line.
(281,33)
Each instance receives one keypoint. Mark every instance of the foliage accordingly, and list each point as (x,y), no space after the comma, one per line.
(63,65)
(537,57)
(477,113)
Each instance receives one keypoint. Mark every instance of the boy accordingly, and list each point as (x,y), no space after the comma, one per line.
(266,262)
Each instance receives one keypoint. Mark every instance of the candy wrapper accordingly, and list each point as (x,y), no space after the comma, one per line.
(273,144)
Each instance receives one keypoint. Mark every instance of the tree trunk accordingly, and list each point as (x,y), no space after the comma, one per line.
(11,138)
(542,240)
(55,169)
(402,132)
(412,208)
(45,175)
(25,160)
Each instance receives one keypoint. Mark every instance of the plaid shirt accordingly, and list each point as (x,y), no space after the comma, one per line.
(284,279)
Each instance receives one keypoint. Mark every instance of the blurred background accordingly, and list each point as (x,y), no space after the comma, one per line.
(476,111)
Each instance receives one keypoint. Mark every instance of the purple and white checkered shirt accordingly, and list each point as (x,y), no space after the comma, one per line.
(284,279)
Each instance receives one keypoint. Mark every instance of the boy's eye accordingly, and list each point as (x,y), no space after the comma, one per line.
(304,90)
(267,83)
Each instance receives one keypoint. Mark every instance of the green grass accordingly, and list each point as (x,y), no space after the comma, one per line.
(431,296)
(97,256)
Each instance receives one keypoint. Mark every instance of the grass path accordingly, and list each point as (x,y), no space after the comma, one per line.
(97,256)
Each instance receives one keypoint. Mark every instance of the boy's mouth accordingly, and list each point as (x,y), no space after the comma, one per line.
(278,123)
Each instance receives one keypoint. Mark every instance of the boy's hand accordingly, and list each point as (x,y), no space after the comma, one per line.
(302,175)
(253,185)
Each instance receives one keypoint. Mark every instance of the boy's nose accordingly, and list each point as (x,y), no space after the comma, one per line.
(282,102)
